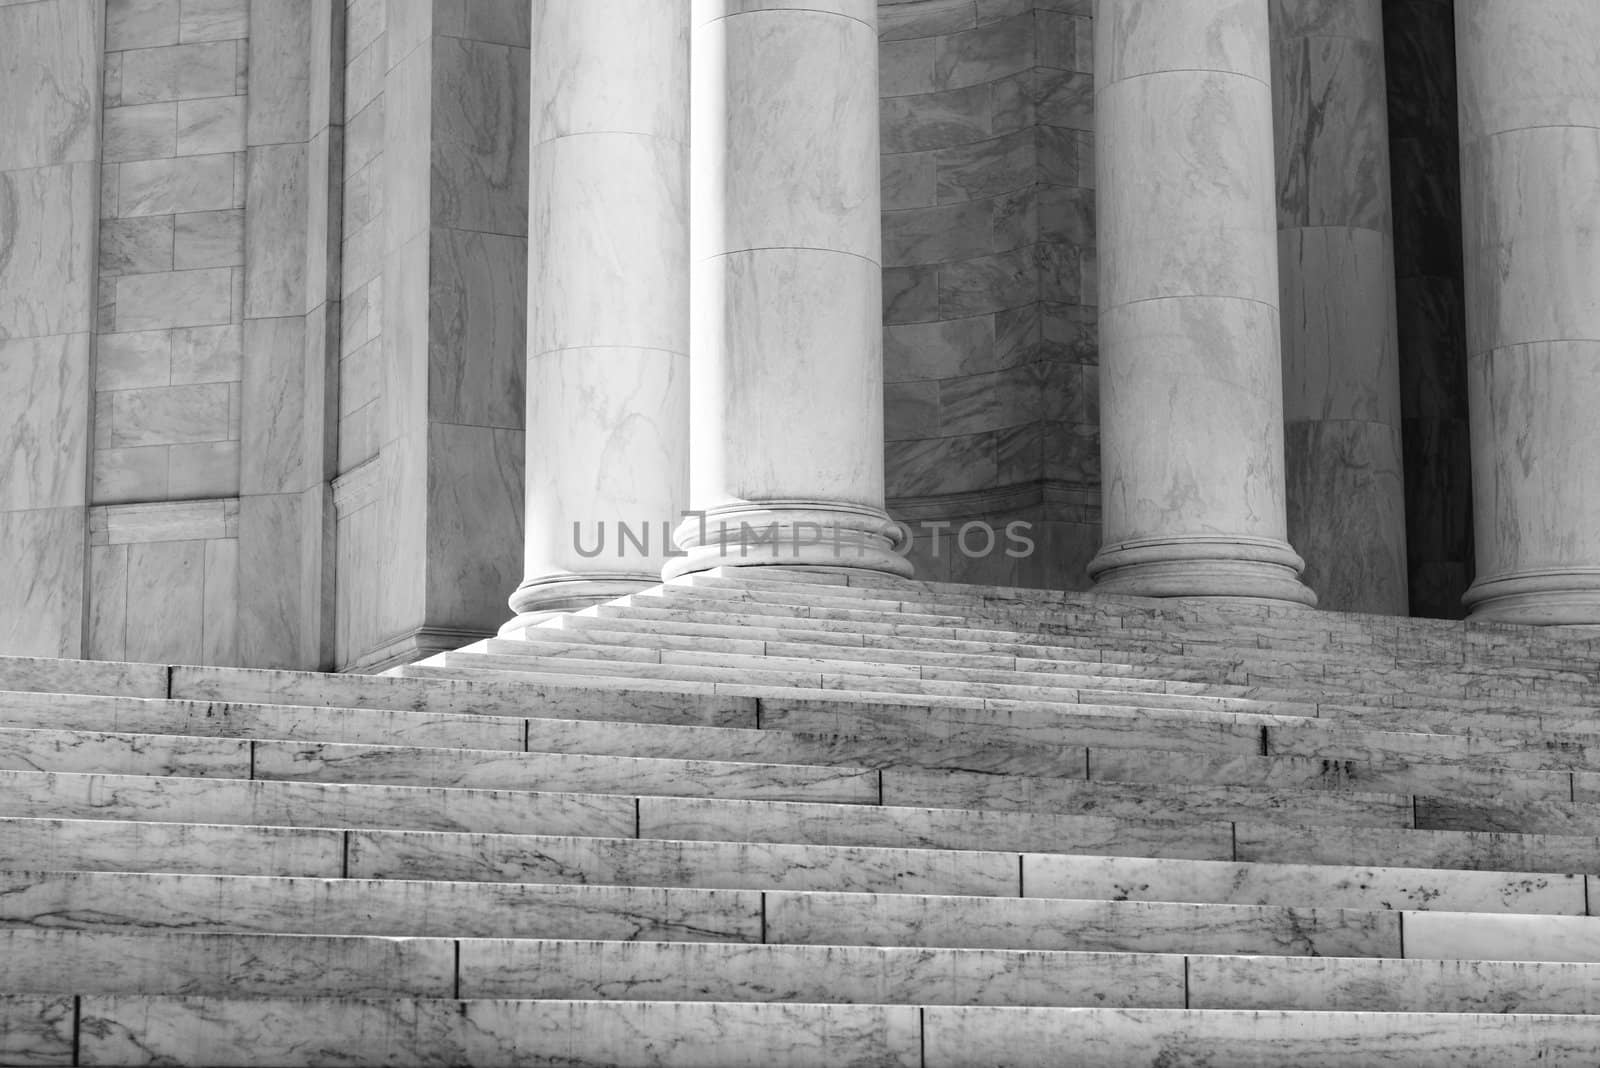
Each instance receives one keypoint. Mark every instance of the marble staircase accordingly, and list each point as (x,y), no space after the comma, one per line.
(796,817)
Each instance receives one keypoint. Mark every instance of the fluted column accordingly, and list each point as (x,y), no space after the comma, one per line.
(608,299)
(786,410)
(1530,194)
(1191,395)
(1341,367)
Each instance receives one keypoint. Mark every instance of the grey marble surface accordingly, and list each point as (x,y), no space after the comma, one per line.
(82,795)
(141,1030)
(109,900)
(177,962)
(687,971)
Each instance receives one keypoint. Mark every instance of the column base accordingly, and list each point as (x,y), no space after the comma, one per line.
(1547,597)
(538,599)
(1256,568)
(791,534)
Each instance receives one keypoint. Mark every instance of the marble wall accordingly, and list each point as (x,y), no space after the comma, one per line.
(990,372)
(430,442)
(50,62)
(1419,47)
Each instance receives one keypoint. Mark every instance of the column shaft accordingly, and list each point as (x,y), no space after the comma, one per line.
(1190,386)
(1341,388)
(608,300)
(1530,191)
(787,396)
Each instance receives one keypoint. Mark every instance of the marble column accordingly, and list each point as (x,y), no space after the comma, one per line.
(1191,394)
(1530,192)
(1341,369)
(608,300)
(786,404)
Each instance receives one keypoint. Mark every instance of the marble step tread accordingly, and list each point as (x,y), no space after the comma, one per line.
(1218,733)
(1310,754)
(69,751)
(844,675)
(178,755)
(783,603)
(404,908)
(701,971)
(82,676)
(1289,632)
(138,846)
(144,846)
(66,961)
(316,804)
(1251,839)
(700,651)
(659,701)
(618,625)
(1228,665)
(402,1032)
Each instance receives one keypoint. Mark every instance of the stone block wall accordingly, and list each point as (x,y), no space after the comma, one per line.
(171,290)
(988,230)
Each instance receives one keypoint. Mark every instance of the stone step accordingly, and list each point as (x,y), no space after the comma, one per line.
(665,648)
(1273,676)
(813,607)
(82,676)
(117,900)
(1385,761)
(849,675)
(64,961)
(124,1029)
(1125,1038)
(914,787)
(137,846)
(183,755)
(612,624)
(188,848)
(1243,840)
(1311,632)
(658,701)
(82,796)
(140,846)
(314,804)
(689,971)
(52,960)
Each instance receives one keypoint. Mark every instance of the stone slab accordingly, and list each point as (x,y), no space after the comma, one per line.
(240,720)
(963,789)
(391,908)
(1136,1038)
(1163,879)
(1059,924)
(1474,936)
(1389,985)
(654,862)
(114,845)
(568,700)
(104,751)
(703,971)
(37,1029)
(312,804)
(289,1032)
(64,961)
(82,676)
(492,769)
(925,828)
